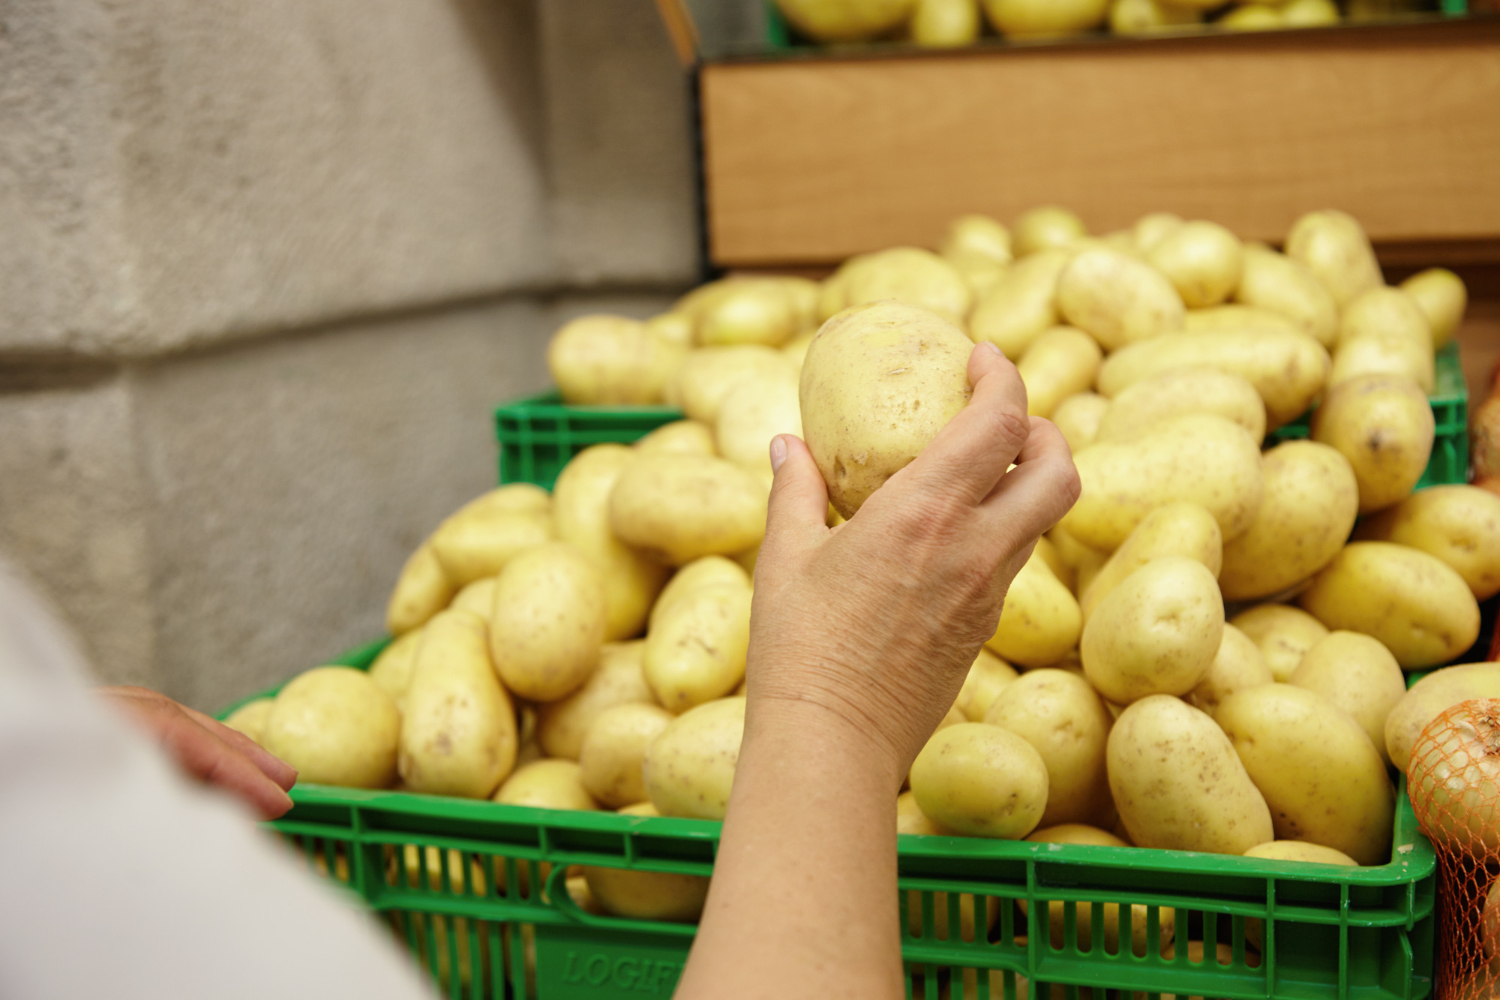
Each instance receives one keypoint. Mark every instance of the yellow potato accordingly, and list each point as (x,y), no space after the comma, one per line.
(913,277)
(250,718)
(910,818)
(613,751)
(1078,833)
(1116,298)
(618,680)
(827,21)
(336,727)
(977,234)
(1442,297)
(478,597)
(1429,698)
(684,507)
(695,651)
(1145,17)
(673,327)
(984,681)
(687,436)
(1300,850)
(981,781)
(1321,776)
(795,350)
(1282,285)
(421,591)
(1236,317)
(1287,369)
(1021,304)
(879,382)
(1065,721)
(1202,458)
(1060,567)
(1156,633)
(484,534)
(752,311)
(547,784)
(1179,391)
(1152,228)
(981,273)
(611,360)
(689,768)
(458,728)
(1306,513)
(699,573)
(1252,17)
(1078,418)
(708,374)
(1179,784)
(1174,529)
(392,669)
(945,23)
(647,895)
(1458,524)
(1383,425)
(1385,312)
(804,295)
(1309,13)
(1282,633)
(1237,665)
(754,412)
(1334,247)
(1383,356)
(1202,260)
(1357,674)
(1414,603)
(1046,227)
(1040,622)
(1060,363)
(548,623)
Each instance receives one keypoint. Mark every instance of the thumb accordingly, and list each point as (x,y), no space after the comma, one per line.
(799,497)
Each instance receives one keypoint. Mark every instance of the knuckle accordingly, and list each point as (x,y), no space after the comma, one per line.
(1007,427)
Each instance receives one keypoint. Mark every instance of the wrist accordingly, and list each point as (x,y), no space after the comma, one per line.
(818,737)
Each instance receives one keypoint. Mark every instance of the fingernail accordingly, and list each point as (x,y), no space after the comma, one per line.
(991,348)
(778,452)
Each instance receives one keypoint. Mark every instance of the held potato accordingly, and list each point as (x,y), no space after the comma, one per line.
(547,784)
(614,750)
(1022,304)
(754,412)
(1040,621)
(981,781)
(913,277)
(879,382)
(1280,284)
(1357,674)
(1334,247)
(1383,356)
(1306,513)
(618,680)
(1432,696)
(1174,529)
(689,768)
(1078,418)
(1179,784)
(1321,776)
(684,507)
(1458,524)
(695,652)
(699,573)
(987,676)
(1064,720)
(1287,369)
(1060,363)
(611,360)
(1383,425)
(1202,458)
(1202,260)
(1046,227)
(422,590)
(687,436)
(1442,297)
(1237,665)
(643,895)
(1283,634)
(1419,608)
(708,374)
(336,727)
(1179,391)
(1116,298)
(548,623)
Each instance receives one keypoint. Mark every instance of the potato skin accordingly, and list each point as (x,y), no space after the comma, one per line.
(547,784)
(1175,529)
(1321,776)
(825,22)
(1277,283)
(1357,674)
(611,359)
(688,436)
(1078,417)
(699,573)
(643,895)
(1140,407)
(618,680)
(1442,297)
(1021,304)
(695,652)
(1458,524)
(1401,356)
(1419,608)
(1117,298)
(1179,784)
(336,727)
(1283,634)
(981,781)
(689,768)
(914,277)
(614,749)
(684,507)
(1237,665)
(1202,260)
(421,591)
(1383,425)
(754,412)
(1064,720)
(879,382)
(708,374)
(1432,696)
(1333,246)
(1040,621)
(1300,850)
(1062,362)
(987,676)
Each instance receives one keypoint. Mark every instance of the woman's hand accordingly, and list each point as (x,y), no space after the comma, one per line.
(208,749)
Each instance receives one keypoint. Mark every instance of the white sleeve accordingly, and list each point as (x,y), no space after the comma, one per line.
(119,878)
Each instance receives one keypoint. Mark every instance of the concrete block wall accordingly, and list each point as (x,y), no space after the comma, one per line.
(265,269)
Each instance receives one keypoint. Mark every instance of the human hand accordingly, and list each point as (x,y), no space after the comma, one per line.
(209,750)
(872,626)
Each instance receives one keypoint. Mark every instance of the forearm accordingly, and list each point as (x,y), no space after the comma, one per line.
(803,901)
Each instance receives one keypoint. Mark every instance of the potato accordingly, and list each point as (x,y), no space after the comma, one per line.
(1179,391)
(699,573)
(548,623)
(1202,458)
(484,534)
(1357,674)
(1305,516)
(1078,833)
(1287,369)
(614,749)
(1060,363)
(1021,305)
(684,507)
(795,350)
(1049,554)
(611,360)
(250,718)
(547,784)
(695,651)
(1179,784)
(913,277)
(1067,724)
(911,819)
(1040,621)
(1252,17)
(1117,299)
(984,681)
(1202,260)
(804,295)
(1280,284)
(751,311)
(336,727)
(647,895)
(422,590)
(708,374)
(1046,227)
(1385,312)
(832,21)
(754,412)
(1155,633)
(1174,529)
(685,436)
(1442,297)
(879,382)
(1152,228)
(1309,13)
(945,23)
(981,781)
(1333,246)
(1458,524)
(977,234)
(478,597)
(1300,850)
(618,680)
(392,669)
(1383,425)
(1321,776)
(1283,635)
(1412,602)
(980,273)
(689,768)
(1145,17)
(672,327)
(1238,318)
(1383,356)
(458,728)
(1429,698)
(1237,665)
(1078,418)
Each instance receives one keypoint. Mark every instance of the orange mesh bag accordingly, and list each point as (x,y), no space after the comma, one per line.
(1454,783)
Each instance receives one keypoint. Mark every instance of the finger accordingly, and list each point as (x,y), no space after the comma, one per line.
(1035,495)
(210,759)
(970,454)
(798,509)
(270,765)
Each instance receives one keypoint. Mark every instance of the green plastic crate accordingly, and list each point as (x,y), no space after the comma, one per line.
(1450,412)
(538,435)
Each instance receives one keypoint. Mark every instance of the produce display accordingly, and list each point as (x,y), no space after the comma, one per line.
(1207,653)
